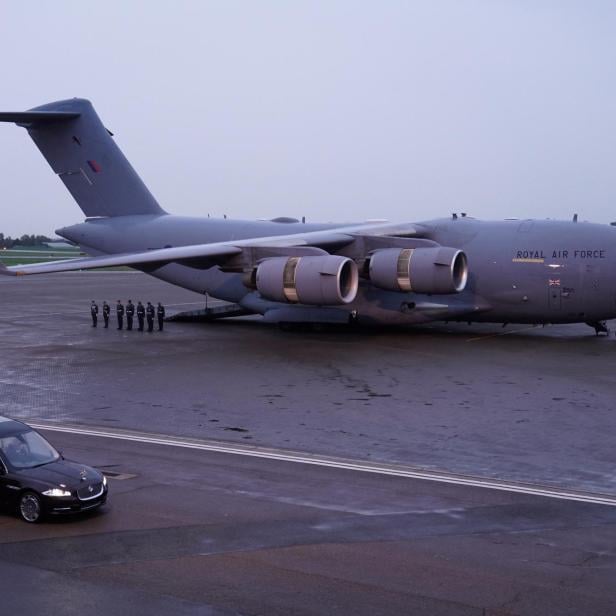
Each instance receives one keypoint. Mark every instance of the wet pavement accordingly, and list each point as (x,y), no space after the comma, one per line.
(193,532)
(190,532)
(530,404)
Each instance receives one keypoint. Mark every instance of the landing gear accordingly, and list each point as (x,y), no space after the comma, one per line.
(600,327)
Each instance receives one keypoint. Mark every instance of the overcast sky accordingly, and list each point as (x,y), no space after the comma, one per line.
(331,110)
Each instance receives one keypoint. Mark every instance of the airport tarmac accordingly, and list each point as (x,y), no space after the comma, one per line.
(187,532)
(521,404)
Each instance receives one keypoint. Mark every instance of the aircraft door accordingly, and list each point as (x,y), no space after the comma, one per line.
(554,295)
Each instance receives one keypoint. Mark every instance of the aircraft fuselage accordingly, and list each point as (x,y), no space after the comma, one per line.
(520,271)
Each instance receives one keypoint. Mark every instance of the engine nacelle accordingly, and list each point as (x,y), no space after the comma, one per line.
(322,280)
(437,270)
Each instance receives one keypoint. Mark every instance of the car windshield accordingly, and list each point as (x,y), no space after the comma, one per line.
(27,450)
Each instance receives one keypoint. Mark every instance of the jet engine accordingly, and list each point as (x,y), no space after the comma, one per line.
(436,270)
(318,280)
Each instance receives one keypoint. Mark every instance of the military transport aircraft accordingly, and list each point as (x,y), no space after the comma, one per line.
(457,268)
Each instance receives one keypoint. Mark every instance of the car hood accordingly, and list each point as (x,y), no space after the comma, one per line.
(71,474)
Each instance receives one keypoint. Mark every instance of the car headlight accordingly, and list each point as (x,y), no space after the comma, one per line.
(56,492)
(104,480)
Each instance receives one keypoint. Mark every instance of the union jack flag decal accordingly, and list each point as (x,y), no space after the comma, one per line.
(555,282)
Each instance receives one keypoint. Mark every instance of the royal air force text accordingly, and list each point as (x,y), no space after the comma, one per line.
(562,254)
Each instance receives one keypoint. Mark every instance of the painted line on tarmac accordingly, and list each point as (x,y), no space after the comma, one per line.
(283,455)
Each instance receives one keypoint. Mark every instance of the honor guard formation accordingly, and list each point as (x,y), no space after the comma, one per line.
(144,314)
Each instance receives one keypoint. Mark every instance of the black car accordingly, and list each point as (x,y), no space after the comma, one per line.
(35,480)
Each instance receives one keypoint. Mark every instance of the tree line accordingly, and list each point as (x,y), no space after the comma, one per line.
(24,240)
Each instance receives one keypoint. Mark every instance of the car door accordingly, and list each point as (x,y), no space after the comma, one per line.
(9,485)
(3,484)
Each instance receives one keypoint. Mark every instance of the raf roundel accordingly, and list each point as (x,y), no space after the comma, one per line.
(94,166)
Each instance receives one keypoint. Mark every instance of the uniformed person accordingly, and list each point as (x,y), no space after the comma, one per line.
(140,315)
(120,314)
(160,313)
(94,313)
(149,312)
(106,311)
(130,311)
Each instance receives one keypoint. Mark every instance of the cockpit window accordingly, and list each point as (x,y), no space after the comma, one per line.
(27,450)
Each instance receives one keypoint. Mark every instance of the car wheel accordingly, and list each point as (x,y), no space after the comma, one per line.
(30,508)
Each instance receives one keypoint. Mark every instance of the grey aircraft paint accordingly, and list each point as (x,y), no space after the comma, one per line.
(528,271)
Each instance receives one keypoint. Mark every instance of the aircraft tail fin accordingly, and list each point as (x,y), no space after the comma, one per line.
(82,152)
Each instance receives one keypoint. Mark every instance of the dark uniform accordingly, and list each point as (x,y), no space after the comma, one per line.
(160,313)
(120,314)
(149,311)
(94,313)
(106,311)
(140,315)
(130,311)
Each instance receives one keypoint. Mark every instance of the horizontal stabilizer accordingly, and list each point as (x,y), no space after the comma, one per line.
(30,117)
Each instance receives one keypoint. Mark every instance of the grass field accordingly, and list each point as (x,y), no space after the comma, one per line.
(22,256)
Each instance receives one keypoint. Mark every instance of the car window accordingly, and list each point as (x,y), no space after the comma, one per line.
(27,449)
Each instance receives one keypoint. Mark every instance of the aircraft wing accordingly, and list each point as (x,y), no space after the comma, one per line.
(155,258)
(207,255)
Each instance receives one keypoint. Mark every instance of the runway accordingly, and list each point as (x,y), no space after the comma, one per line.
(376,472)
